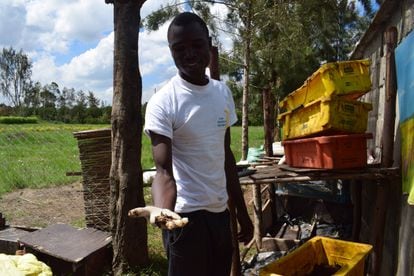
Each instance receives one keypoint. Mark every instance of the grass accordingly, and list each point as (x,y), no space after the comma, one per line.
(39,155)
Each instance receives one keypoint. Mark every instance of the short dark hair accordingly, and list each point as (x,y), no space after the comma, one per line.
(186,18)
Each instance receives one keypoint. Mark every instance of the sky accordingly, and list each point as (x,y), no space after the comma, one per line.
(71,43)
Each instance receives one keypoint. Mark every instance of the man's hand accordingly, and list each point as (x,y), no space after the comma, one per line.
(163,218)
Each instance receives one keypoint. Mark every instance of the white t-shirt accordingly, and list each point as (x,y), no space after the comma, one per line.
(195,118)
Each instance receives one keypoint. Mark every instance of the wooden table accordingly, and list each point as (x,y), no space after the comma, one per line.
(70,251)
(283,174)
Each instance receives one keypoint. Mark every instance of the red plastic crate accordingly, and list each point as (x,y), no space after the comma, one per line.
(328,152)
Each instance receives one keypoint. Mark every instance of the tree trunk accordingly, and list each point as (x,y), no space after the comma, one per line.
(246,72)
(129,236)
(268,120)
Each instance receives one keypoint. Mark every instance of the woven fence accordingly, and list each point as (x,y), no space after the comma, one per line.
(95,156)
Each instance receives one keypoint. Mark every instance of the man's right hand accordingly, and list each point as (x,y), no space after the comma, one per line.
(163,218)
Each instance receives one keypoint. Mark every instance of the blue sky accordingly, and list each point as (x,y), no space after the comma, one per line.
(71,43)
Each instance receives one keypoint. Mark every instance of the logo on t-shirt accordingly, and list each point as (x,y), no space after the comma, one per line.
(221,122)
(224,121)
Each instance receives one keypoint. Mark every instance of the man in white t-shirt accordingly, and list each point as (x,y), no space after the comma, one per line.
(188,122)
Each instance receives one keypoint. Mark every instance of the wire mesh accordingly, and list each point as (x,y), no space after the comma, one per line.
(42,180)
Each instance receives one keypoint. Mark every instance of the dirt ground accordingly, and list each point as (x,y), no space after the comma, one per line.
(41,207)
(38,208)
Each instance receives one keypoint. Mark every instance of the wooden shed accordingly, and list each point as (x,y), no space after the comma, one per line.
(396,16)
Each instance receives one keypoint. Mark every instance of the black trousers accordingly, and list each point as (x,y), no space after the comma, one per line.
(202,248)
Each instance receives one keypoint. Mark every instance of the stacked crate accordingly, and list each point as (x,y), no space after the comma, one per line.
(324,124)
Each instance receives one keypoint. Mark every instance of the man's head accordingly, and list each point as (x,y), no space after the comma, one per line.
(189,43)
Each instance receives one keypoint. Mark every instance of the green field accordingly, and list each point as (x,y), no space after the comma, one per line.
(37,155)
(40,155)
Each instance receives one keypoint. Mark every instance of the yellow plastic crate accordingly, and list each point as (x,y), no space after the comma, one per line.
(325,116)
(348,79)
(349,257)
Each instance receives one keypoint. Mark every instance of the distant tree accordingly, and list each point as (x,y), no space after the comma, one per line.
(94,113)
(32,99)
(68,97)
(49,95)
(15,74)
(65,102)
(335,26)
(81,99)
(106,114)
(5,110)
(79,109)
(92,100)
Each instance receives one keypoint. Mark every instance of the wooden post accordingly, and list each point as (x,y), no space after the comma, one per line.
(257,195)
(214,63)
(356,191)
(387,142)
(269,126)
(268,121)
(235,265)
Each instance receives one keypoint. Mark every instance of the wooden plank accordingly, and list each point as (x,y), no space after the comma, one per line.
(94,133)
(262,169)
(274,158)
(372,173)
(286,167)
(65,242)
(288,232)
(261,162)
(273,174)
(9,239)
(278,244)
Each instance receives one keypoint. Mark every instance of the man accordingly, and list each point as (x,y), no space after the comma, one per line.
(188,122)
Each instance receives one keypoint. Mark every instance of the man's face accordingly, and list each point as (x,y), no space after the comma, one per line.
(190,49)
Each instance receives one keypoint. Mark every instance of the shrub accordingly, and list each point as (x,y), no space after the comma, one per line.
(18,120)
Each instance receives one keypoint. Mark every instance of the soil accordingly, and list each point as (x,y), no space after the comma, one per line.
(38,208)
(41,207)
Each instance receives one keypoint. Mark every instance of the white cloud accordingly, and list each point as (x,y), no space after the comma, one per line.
(45,70)
(220,11)
(58,23)
(153,50)
(11,26)
(84,19)
(89,71)
(71,43)
(47,30)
